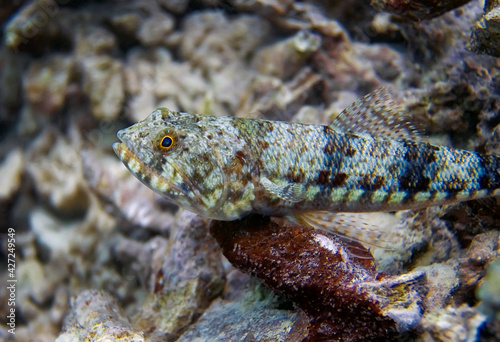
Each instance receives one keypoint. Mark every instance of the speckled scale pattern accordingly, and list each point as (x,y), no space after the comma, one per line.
(226,168)
(343,171)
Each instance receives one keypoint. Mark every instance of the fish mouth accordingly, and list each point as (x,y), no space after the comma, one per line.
(149,177)
(131,160)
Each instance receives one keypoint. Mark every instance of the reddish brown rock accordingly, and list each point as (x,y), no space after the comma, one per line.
(331,279)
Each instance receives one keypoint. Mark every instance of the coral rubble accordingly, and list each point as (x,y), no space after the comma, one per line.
(96,315)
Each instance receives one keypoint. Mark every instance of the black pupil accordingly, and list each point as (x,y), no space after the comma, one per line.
(166,142)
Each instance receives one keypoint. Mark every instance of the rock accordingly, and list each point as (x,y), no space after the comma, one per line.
(54,164)
(332,279)
(418,9)
(285,58)
(190,278)
(155,30)
(11,171)
(252,317)
(453,324)
(34,26)
(174,6)
(103,85)
(486,34)
(208,32)
(46,84)
(489,290)
(92,41)
(95,314)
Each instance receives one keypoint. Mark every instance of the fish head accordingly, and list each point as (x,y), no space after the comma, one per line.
(182,157)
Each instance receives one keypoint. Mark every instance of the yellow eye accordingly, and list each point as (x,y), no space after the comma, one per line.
(166,143)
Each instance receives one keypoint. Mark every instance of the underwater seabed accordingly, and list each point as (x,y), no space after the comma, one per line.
(90,253)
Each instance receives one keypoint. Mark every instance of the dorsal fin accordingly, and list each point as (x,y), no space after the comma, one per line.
(379,115)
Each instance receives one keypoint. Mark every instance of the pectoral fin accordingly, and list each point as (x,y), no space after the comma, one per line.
(370,229)
(292,192)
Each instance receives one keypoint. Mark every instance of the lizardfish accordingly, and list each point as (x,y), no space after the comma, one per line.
(225,167)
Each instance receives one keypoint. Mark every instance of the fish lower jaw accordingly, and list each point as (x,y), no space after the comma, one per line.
(128,158)
(152,180)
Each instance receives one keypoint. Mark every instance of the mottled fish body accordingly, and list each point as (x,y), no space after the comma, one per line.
(224,167)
